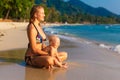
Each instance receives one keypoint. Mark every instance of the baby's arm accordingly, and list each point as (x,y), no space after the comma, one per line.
(57,57)
(61,64)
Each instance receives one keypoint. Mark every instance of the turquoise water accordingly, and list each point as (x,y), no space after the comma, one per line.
(107,34)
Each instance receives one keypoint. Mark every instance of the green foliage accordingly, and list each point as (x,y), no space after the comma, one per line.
(53,15)
(17,9)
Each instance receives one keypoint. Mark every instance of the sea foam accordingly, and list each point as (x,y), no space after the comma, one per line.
(117,49)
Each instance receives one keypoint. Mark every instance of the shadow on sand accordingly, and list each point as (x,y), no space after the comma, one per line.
(13,56)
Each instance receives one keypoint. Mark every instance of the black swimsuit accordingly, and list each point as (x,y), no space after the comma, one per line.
(38,34)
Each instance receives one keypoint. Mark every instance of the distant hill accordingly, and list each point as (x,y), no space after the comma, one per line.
(100,11)
(75,7)
(76,11)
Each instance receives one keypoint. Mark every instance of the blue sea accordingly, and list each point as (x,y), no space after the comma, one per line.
(105,35)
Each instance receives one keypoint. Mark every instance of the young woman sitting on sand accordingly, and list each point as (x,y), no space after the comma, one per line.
(35,56)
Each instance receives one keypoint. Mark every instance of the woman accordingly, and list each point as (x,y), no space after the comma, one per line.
(34,55)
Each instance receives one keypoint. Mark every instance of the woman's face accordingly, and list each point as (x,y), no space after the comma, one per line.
(40,15)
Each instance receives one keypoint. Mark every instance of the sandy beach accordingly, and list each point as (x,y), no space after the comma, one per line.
(86,62)
(13,35)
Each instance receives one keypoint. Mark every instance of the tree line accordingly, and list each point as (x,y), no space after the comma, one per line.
(20,9)
(15,9)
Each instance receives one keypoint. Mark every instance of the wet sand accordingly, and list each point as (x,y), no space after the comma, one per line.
(86,62)
(90,62)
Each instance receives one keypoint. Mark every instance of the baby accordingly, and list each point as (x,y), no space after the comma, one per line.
(54,43)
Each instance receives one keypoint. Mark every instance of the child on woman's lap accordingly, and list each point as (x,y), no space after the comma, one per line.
(54,43)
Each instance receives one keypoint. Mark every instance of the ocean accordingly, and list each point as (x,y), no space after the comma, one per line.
(105,35)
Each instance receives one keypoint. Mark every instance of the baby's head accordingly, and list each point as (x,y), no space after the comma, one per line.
(54,41)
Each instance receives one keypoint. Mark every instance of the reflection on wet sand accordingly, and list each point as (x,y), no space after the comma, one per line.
(44,74)
(13,56)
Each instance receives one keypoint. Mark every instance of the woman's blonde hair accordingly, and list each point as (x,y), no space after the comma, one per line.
(34,9)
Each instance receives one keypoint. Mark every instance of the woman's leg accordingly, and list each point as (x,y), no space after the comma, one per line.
(43,61)
(63,55)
